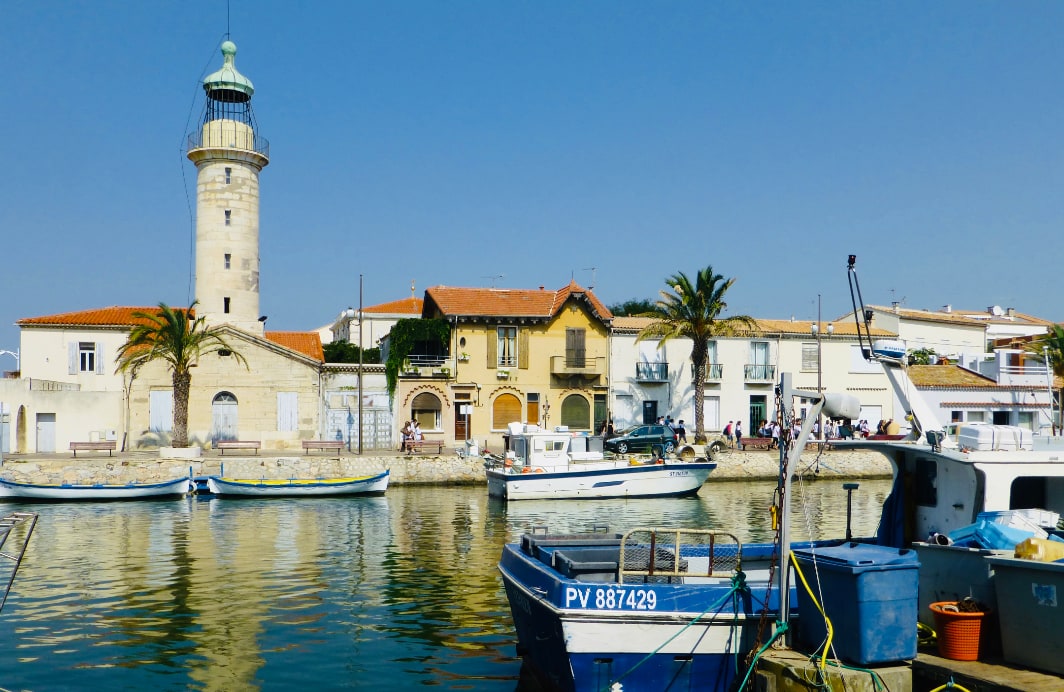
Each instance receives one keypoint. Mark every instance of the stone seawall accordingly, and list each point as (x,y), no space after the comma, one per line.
(442,470)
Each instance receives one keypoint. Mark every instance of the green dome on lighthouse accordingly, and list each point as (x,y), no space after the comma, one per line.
(227,84)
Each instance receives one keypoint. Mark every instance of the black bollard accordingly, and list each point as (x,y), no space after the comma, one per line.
(849,488)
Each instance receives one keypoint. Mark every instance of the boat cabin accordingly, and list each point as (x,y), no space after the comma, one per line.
(530,446)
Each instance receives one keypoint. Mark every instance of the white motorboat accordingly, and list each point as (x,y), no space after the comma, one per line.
(559,464)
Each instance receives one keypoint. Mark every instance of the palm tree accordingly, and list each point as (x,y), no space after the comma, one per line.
(693,311)
(178,338)
(1052,345)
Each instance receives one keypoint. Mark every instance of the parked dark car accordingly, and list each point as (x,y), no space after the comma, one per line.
(642,438)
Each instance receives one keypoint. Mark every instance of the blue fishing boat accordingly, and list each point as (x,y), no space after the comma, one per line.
(655,608)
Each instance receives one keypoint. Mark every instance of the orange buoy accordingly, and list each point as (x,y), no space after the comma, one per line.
(539,470)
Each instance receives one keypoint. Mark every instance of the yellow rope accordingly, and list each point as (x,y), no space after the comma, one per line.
(827,620)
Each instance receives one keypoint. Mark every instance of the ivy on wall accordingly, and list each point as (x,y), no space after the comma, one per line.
(405,336)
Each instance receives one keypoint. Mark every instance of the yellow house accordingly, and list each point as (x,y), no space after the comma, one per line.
(514,355)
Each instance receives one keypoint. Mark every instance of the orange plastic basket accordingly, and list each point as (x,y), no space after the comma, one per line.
(958,633)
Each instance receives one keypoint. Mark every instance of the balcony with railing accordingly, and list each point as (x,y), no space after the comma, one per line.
(652,372)
(568,366)
(427,366)
(759,373)
(714,372)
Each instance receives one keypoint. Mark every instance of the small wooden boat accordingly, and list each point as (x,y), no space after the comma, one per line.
(95,491)
(297,487)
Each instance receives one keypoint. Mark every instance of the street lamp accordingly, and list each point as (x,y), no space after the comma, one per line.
(815,329)
(15,355)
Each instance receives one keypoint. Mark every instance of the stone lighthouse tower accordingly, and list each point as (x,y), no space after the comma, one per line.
(229,154)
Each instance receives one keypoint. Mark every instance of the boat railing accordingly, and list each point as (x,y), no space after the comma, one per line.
(21,524)
(648,554)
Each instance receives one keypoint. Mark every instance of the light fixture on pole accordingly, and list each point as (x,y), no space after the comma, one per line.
(815,328)
(16,356)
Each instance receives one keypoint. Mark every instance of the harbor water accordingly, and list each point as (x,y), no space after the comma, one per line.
(389,592)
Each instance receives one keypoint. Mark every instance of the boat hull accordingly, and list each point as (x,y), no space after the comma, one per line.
(602,480)
(130,491)
(584,636)
(363,485)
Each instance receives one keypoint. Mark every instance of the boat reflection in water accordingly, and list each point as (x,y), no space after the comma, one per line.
(393,591)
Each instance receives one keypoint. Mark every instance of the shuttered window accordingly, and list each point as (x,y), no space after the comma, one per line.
(505,410)
(287,411)
(809,358)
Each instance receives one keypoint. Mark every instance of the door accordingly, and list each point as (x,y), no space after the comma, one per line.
(758,413)
(224,417)
(650,412)
(45,432)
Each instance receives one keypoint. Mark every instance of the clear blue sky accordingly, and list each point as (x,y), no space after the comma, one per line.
(453,142)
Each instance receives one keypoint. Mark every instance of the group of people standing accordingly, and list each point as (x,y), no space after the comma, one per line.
(410,433)
(677,427)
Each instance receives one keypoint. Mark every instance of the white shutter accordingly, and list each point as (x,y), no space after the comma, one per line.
(72,358)
(161,410)
(287,411)
(99,358)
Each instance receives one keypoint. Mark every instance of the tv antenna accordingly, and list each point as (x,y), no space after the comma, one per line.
(592,270)
(493,278)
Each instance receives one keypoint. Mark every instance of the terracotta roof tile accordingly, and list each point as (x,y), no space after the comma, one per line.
(406,306)
(114,316)
(509,302)
(307,343)
(791,327)
(949,376)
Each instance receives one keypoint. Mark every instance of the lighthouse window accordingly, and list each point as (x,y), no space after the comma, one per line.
(228,175)
(228,260)
(228,216)
(225,305)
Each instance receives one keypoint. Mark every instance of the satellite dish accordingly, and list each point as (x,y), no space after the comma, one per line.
(996,311)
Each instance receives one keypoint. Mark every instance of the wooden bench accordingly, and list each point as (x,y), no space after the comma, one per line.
(109,445)
(422,446)
(757,443)
(323,445)
(223,445)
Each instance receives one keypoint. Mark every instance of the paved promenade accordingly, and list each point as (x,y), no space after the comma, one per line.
(147,466)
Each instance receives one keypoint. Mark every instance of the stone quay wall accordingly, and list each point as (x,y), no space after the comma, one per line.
(147,467)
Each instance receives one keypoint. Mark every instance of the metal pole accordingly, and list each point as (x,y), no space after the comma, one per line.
(819,371)
(361,427)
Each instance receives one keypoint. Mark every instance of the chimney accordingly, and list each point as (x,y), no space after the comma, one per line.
(895,305)
(1011,312)
(947,308)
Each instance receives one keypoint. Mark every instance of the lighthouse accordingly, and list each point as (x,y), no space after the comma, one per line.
(229,155)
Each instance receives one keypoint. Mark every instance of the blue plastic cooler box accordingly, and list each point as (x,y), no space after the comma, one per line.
(871,594)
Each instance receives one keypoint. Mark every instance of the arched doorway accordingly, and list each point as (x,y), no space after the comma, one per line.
(224,417)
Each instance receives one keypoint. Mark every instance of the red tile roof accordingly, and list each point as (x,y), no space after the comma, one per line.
(801,328)
(307,343)
(508,302)
(948,377)
(406,306)
(119,317)
(114,316)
